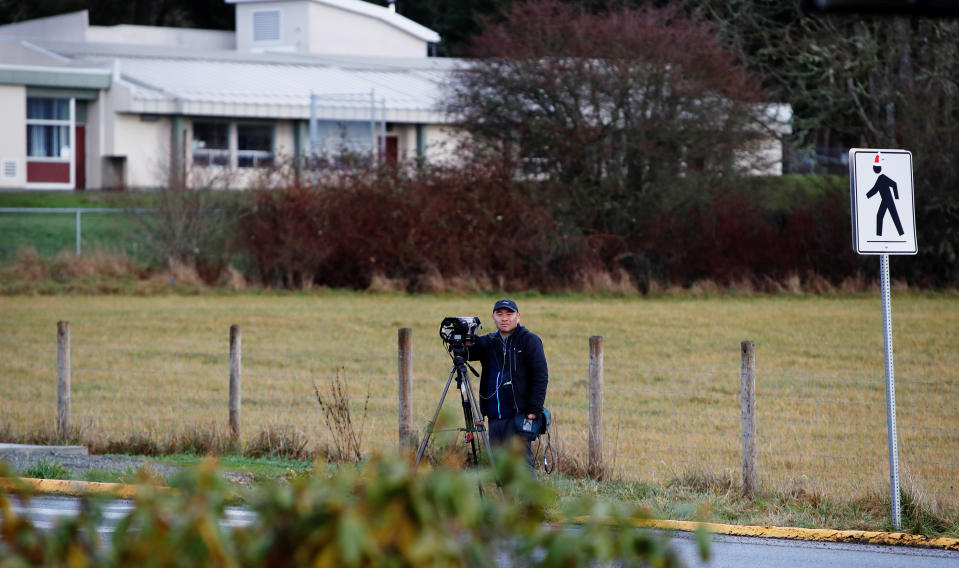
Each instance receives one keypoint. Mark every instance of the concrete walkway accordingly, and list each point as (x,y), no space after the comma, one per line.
(19,455)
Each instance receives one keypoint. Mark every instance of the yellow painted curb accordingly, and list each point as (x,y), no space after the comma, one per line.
(64,487)
(792,533)
(821,535)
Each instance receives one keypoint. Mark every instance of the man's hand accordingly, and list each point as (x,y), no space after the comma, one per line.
(531,416)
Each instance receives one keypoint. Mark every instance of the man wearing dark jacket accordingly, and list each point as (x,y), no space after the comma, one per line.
(514,375)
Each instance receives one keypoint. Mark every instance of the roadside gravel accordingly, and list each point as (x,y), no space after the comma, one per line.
(78,465)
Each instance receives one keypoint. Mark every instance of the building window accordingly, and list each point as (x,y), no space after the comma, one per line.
(211,144)
(48,128)
(266,25)
(254,144)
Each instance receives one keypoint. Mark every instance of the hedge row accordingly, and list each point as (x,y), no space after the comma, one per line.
(478,224)
(374,514)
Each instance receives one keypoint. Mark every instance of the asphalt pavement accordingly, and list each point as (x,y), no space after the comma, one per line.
(737,551)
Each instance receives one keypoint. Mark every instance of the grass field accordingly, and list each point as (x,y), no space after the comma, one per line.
(51,233)
(158,364)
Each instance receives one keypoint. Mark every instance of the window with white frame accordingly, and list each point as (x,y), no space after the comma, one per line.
(254,145)
(211,144)
(48,128)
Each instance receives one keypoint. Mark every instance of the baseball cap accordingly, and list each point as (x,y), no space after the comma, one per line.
(507,304)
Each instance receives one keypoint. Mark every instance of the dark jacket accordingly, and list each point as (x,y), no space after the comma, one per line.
(526,361)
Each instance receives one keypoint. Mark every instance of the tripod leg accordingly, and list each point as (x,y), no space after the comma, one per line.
(481,428)
(432,423)
(465,397)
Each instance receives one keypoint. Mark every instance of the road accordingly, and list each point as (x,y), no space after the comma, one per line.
(726,551)
(735,552)
(44,510)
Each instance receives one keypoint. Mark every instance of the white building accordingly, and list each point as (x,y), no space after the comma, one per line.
(144,107)
(137,106)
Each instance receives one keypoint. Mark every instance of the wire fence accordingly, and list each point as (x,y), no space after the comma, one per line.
(816,432)
(50,230)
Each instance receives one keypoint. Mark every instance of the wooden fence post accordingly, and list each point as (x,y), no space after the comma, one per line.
(236,400)
(596,466)
(63,379)
(405,374)
(748,383)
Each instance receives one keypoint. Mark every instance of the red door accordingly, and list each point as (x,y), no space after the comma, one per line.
(391,149)
(80,159)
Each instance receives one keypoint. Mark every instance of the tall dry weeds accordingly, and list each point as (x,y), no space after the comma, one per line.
(571,460)
(707,480)
(347,439)
(28,266)
(97,262)
(278,441)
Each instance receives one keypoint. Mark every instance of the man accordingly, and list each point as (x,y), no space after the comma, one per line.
(514,375)
(886,188)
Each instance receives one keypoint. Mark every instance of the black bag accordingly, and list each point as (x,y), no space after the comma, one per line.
(532,428)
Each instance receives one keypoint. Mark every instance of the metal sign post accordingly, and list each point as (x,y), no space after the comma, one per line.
(884,223)
(890,392)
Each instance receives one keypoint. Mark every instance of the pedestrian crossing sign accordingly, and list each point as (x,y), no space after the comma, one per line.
(883,206)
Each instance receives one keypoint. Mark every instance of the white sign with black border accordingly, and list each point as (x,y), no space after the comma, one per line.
(883,204)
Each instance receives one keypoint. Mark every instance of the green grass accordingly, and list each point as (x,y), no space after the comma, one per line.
(129,475)
(259,469)
(719,499)
(62,199)
(47,469)
(51,233)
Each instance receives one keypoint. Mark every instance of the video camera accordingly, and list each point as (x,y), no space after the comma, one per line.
(459,332)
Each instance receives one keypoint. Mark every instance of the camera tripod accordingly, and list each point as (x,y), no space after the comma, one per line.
(474,427)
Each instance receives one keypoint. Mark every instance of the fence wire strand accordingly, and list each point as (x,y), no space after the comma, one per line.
(828,430)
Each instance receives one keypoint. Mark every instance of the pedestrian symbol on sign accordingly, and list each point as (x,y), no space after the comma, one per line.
(883,206)
(886,189)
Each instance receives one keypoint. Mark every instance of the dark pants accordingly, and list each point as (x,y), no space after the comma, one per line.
(502,432)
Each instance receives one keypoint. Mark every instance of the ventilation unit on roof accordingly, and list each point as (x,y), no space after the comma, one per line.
(266,25)
(9,169)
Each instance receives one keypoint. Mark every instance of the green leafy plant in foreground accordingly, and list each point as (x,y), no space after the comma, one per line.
(377,513)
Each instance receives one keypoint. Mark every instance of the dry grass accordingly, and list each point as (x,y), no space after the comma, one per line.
(618,283)
(28,266)
(705,480)
(158,366)
(94,263)
(347,436)
(279,440)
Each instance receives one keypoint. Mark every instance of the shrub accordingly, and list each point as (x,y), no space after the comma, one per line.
(389,225)
(376,514)
(732,237)
(195,228)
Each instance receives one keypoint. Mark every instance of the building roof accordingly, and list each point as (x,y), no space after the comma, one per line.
(372,10)
(168,80)
(25,63)
(155,70)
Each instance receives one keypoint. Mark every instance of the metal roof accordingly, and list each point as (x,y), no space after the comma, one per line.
(372,10)
(24,63)
(166,80)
